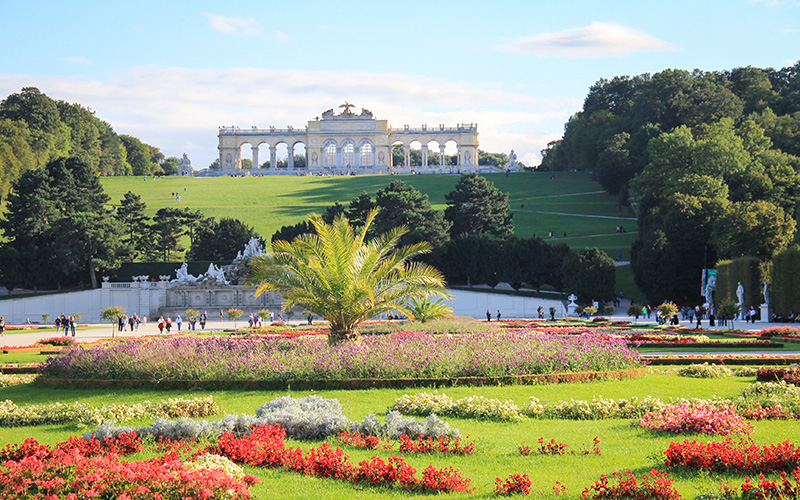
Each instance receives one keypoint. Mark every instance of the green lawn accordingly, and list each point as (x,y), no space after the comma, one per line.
(624,446)
(573,203)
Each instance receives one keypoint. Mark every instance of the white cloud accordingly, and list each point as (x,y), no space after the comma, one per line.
(179,110)
(233,25)
(281,36)
(596,40)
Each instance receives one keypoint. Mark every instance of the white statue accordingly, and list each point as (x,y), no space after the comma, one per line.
(572,298)
(512,161)
(216,273)
(251,250)
(740,294)
(766,293)
(183,275)
(186,165)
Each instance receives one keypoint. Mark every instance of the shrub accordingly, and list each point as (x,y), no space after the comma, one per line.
(57,341)
(705,371)
(311,417)
(773,374)
(697,418)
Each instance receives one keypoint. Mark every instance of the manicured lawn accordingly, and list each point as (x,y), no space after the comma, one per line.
(573,203)
(624,446)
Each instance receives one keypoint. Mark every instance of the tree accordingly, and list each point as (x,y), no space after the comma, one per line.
(220,241)
(113,314)
(340,276)
(170,166)
(590,275)
(756,229)
(137,154)
(289,233)
(359,208)
(403,205)
(166,230)
(424,309)
(131,214)
(234,314)
(475,206)
(48,136)
(58,226)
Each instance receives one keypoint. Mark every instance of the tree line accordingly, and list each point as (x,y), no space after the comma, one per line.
(60,230)
(473,240)
(710,162)
(35,129)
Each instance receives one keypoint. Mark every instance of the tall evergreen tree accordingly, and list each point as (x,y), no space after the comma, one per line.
(476,207)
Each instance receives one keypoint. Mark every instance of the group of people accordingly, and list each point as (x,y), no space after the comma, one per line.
(167,323)
(489,315)
(132,322)
(65,323)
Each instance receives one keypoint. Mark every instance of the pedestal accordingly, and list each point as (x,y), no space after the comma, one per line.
(766,313)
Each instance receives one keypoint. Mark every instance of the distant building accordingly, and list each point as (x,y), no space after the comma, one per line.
(349,142)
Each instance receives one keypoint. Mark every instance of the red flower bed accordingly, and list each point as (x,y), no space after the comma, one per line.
(265,447)
(515,485)
(361,440)
(553,447)
(787,487)
(57,341)
(728,455)
(625,485)
(80,468)
(775,374)
(443,444)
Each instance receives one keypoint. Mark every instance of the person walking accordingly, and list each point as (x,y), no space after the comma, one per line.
(2,326)
(168,324)
(178,322)
(498,315)
(488,316)
(58,324)
(203,319)
(161,324)
(72,325)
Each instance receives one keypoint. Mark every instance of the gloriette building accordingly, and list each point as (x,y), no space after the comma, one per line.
(349,143)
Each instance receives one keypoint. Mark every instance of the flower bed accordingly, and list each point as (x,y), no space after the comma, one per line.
(12,415)
(57,341)
(626,485)
(775,374)
(388,357)
(697,419)
(265,447)
(729,455)
(91,468)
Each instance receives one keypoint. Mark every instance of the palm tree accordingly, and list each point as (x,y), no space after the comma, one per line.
(339,276)
(428,308)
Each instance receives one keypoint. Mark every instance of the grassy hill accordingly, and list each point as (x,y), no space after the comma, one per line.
(572,204)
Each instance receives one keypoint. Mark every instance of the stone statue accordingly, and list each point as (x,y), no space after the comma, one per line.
(314,158)
(216,273)
(186,165)
(766,293)
(572,298)
(183,275)
(512,161)
(327,114)
(365,113)
(740,294)
(347,107)
(252,249)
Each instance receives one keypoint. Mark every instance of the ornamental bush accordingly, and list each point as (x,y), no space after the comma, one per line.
(705,371)
(697,418)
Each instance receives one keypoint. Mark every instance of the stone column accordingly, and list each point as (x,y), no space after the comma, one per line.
(407,156)
(290,158)
(339,159)
(441,155)
(273,158)
(356,156)
(424,156)
(255,156)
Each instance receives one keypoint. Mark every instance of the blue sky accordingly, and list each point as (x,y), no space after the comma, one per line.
(171,72)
